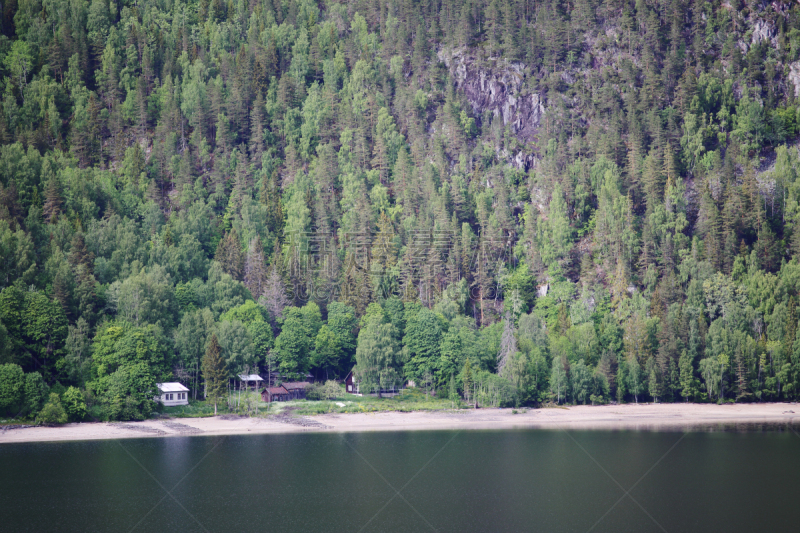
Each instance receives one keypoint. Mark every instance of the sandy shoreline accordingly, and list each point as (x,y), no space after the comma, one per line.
(642,417)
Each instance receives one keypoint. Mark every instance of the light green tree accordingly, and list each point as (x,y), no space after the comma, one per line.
(12,387)
(53,412)
(711,371)
(74,404)
(376,357)
(35,392)
(191,337)
(558,381)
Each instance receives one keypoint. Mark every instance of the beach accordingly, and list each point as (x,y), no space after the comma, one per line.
(627,416)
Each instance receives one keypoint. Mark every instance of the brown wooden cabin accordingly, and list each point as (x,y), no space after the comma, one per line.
(274,394)
(350,384)
(296,389)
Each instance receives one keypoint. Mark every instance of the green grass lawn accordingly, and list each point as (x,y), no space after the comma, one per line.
(408,400)
(196,408)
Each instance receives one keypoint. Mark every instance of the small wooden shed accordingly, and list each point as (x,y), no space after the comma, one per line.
(249,380)
(274,394)
(297,389)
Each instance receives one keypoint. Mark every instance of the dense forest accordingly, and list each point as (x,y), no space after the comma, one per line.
(517,202)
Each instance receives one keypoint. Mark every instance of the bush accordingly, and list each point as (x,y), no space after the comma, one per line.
(598,400)
(329,391)
(125,408)
(12,386)
(314,392)
(74,404)
(53,412)
(128,393)
(36,392)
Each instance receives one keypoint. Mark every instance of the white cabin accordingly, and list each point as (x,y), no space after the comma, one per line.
(172,394)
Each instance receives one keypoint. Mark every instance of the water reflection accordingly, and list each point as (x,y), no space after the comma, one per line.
(718,477)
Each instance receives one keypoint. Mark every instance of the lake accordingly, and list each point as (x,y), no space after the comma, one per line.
(510,480)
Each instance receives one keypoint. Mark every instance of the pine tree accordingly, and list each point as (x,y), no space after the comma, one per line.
(215,373)
(270,196)
(229,255)
(508,345)
(687,380)
(791,326)
(257,130)
(255,270)
(53,201)
(273,297)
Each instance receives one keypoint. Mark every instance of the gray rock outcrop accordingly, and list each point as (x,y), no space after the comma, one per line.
(498,86)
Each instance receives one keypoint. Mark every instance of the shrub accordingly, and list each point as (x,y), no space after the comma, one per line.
(314,392)
(36,392)
(53,412)
(127,394)
(330,390)
(12,385)
(74,404)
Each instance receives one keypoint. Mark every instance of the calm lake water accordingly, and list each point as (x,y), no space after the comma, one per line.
(526,480)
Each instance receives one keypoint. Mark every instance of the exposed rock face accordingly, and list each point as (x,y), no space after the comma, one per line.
(764,30)
(500,89)
(794,77)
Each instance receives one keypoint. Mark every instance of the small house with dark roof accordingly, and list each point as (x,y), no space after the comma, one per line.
(297,389)
(274,394)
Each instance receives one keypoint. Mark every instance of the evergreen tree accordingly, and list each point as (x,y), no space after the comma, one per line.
(215,373)
(229,255)
(53,202)
(255,270)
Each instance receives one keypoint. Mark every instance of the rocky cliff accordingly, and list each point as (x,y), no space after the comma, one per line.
(498,86)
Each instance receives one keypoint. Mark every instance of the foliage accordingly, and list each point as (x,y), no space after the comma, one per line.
(36,392)
(52,412)
(74,404)
(215,372)
(330,390)
(12,387)
(296,341)
(127,393)
(376,357)
(332,185)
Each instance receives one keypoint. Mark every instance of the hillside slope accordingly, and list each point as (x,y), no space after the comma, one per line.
(525,201)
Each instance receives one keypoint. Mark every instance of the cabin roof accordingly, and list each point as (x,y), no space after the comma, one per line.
(250,377)
(276,390)
(171,387)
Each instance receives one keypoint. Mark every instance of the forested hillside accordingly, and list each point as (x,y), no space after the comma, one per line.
(525,201)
